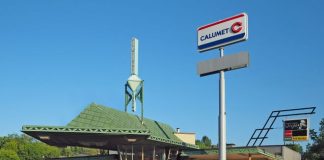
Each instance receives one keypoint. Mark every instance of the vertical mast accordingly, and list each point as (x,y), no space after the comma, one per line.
(134,86)
(134,57)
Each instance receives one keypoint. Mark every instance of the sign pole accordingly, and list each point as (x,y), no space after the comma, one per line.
(217,35)
(222,113)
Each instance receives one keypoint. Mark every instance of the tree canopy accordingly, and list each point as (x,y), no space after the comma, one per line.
(315,151)
(23,147)
(8,155)
(204,143)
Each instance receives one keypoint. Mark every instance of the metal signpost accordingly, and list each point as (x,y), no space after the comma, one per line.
(217,35)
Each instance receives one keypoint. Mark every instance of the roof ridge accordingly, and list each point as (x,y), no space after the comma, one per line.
(104,108)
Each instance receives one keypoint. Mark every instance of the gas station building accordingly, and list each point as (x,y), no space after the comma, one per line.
(126,137)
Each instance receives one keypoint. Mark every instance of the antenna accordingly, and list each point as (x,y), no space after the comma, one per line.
(134,87)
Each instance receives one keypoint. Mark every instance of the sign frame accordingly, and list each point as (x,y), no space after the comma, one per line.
(222,33)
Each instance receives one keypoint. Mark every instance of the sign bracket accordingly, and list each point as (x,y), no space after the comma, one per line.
(261,133)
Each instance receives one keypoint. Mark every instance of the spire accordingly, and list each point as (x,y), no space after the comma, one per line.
(135,85)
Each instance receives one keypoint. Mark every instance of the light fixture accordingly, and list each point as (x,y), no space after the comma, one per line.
(44,137)
(131,139)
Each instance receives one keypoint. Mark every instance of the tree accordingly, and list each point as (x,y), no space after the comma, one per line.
(296,147)
(8,155)
(11,145)
(37,151)
(66,152)
(27,148)
(204,143)
(315,151)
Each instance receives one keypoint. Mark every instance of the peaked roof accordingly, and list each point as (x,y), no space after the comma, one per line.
(103,117)
(112,125)
(97,116)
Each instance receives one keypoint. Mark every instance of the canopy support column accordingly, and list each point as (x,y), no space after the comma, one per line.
(119,153)
(163,154)
(142,153)
(125,154)
(153,153)
(132,152)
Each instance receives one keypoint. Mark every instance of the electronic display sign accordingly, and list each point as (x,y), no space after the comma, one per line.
(296,129)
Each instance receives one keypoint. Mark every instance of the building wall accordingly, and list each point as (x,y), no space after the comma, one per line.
(276,150)
(187,137)
(289,154)
(283,151)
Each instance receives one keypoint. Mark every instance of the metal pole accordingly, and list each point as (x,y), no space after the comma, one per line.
(126,95)
(163,155)
(142,102)
(126,153)
(142,153)
(119,153)
(222,114)
(154,153)
(132,152)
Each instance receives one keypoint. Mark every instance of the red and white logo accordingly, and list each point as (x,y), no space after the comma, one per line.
(236,27)
(223,32)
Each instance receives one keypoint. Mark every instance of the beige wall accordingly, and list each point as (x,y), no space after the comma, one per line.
(285,152)
(289,154)
(187,137)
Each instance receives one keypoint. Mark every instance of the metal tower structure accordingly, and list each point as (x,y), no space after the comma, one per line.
(134,87)
(261,133)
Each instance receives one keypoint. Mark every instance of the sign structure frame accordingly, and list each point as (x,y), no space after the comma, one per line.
(297,130)
(222,33)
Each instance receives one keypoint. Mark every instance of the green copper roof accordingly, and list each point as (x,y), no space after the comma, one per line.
(97,116)
(97,119)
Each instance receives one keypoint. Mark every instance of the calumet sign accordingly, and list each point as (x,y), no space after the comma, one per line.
(223,32)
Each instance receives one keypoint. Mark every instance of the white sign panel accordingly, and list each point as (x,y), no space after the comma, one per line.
(223,32)
(226,63)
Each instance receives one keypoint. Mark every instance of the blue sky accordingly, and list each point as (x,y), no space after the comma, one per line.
(56,57)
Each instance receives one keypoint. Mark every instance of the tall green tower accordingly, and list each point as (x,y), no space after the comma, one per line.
(134,87)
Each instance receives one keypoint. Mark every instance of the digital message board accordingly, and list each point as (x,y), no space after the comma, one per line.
(296,129)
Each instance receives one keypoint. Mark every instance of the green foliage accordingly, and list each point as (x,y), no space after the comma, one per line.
(66,152)
(75,151)
(26,148)
(295,147)
(315,151)
(8,155)
(11,145)
(204,143)
(23,147)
